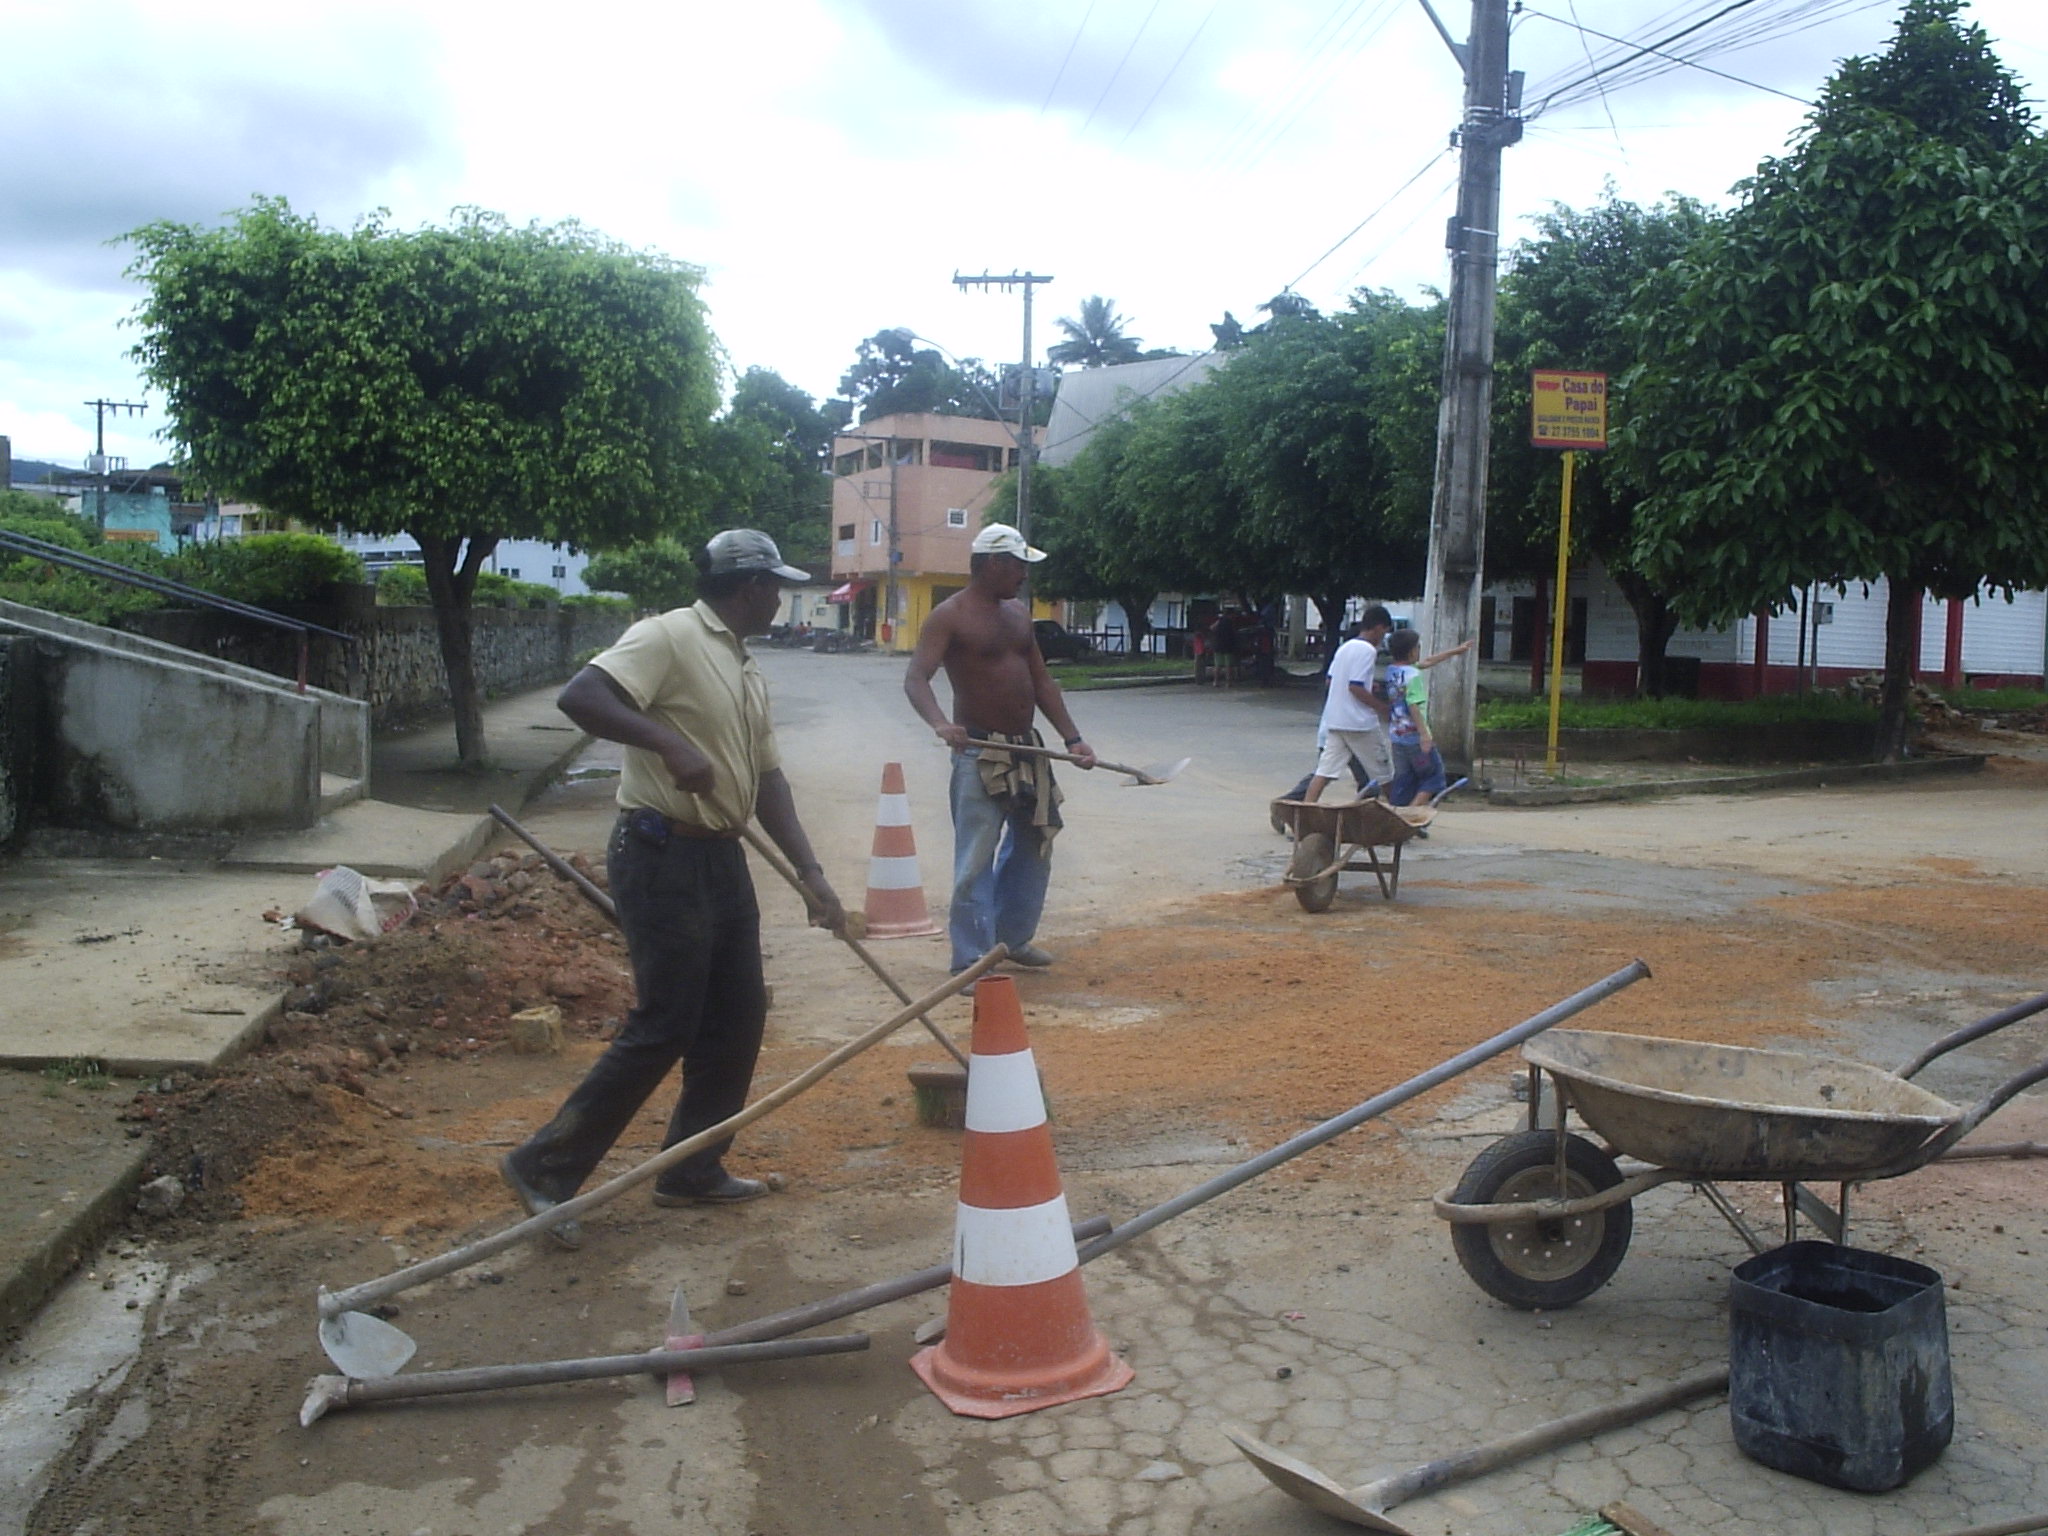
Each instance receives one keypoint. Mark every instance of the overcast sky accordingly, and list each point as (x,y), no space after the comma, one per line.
(832,163)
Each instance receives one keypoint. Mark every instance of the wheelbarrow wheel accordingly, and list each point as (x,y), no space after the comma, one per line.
(1314,851)
(1541,1264)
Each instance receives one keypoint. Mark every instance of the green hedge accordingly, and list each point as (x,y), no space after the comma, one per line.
(1673,714)
(269,570)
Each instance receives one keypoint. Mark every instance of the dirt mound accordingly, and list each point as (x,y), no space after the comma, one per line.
(361,1021)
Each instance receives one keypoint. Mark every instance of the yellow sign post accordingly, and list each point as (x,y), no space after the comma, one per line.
(1567,410)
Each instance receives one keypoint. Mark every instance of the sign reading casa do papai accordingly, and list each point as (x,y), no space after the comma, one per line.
(1567,410)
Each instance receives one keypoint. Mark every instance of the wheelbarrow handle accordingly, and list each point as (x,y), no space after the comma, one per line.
(1976,1031)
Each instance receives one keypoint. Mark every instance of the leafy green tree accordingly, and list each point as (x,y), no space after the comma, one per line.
(793,502)
(1273,475)
(1096,338)
(1322,503)
(892,375)
(1094,548)
(1565,303)
(1229,333)
(656,576)
(1844,379)
(1288,305)
(463,385)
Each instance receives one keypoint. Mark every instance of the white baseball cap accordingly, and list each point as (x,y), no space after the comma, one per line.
(1002,539)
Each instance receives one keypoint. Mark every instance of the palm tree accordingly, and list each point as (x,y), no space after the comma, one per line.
(1097,339)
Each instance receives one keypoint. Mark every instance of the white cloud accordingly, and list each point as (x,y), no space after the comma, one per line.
(831,163)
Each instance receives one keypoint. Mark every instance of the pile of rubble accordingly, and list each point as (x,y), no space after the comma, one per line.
(503,937)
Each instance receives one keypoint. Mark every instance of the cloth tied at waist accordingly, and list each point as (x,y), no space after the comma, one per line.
(1019,781)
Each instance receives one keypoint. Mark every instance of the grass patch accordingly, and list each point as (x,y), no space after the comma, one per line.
(1994,701)
(1083,675)
(78,1072)
(1675,714)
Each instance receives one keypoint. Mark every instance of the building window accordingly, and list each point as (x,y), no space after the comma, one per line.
(965,456)
(559,572)
(848,463)
(510,573)
(846,533)
(875,531)
(956,517)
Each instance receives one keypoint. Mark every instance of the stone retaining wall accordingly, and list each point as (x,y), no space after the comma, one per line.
(395,662)
(17,737)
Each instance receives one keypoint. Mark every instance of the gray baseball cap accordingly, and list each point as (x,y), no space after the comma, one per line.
(747,549)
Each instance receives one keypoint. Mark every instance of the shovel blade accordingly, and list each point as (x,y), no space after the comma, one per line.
(1298,1480)
(1162,773)
(365,1347)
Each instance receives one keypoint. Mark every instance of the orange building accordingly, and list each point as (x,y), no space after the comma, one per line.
(909,493)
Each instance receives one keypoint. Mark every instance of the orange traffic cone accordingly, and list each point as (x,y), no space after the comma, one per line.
(1018,1333)
(895,902)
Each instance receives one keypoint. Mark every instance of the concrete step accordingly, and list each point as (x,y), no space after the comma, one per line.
(372,837)
(336,791)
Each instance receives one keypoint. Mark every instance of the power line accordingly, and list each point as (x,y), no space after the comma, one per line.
(1172,70)
(1726,29)
(1265,111)
(1354,33)
(1061,73)
(1427,166)
(1596,77)
(1116,73)
(1605,105)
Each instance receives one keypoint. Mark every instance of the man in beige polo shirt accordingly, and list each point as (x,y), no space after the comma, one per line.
(689,704)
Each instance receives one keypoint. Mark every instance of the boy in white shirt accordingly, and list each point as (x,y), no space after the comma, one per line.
(1353,726)
(1353,712)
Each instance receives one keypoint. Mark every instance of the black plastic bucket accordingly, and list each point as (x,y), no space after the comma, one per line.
(1838,1365)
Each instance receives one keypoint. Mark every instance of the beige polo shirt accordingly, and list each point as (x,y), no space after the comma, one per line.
(686,669)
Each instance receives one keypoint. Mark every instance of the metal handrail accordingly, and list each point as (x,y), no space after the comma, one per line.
(164,586)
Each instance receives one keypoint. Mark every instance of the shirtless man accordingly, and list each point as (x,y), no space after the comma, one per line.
(1005,806)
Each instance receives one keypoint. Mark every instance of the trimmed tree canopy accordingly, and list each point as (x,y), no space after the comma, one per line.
(1845,378)
(463,385)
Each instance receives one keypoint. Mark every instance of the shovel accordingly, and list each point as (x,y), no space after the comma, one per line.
(364,1346)
(1158,773)
(769,852)
(1367,1504)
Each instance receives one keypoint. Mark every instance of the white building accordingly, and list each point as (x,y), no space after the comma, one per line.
(548,565)
(1837,633)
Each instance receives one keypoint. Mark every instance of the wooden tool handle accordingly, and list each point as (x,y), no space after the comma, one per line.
(1064,757)
(1432,1475)
(334,1303)
(787,870)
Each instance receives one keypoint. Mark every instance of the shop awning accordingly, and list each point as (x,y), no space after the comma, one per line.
(848,592)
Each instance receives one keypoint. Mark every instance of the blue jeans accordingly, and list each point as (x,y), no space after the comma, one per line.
(1001,866)
(1416,772)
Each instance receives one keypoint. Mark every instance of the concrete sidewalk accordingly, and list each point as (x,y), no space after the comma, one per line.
(115,968)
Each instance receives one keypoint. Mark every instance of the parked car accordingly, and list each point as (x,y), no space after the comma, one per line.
(1058,643)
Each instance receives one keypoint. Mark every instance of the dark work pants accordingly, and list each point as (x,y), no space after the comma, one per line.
(693,932)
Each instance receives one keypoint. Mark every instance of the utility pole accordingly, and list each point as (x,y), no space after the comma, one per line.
(97,465)
(1457,518)
(1027,393)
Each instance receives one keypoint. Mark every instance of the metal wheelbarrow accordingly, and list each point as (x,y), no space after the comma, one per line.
(1328,840)
(1541,1219)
